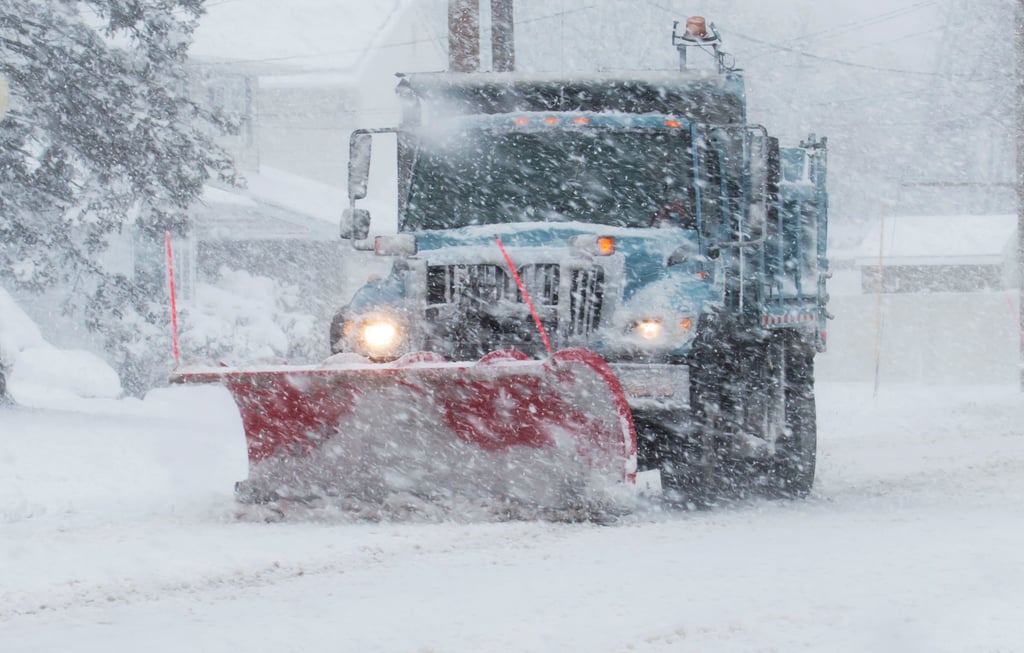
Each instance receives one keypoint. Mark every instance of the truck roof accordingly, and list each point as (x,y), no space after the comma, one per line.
(701,96)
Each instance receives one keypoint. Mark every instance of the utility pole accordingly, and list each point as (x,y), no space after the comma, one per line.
(1019,79)
(464,36)
(503,49)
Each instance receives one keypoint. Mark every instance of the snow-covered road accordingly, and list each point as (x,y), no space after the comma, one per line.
(117,533)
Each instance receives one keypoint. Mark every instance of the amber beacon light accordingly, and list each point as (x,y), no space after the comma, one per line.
(697,27)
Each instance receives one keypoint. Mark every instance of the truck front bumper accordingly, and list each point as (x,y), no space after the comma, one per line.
(655,387)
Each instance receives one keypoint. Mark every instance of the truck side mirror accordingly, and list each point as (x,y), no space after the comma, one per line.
(360,146)
(355,224)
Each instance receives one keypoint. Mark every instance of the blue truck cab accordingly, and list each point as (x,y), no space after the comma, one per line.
(646,220)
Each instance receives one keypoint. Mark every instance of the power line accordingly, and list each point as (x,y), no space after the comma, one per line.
(328,53)
(864,98)
(433,39)
(902,37)
(853,64)
(871,20)
(844,62)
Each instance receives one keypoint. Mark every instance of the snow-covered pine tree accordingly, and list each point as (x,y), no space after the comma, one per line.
(101,136)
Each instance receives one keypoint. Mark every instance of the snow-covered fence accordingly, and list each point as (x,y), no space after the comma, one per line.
(934,338)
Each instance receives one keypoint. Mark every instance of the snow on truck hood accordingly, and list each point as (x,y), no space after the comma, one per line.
(640,254)
(653,245)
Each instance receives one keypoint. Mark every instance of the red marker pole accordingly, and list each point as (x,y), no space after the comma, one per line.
(526,296)
(174,305)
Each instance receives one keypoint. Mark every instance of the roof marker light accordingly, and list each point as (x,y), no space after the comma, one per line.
(551,120)
(521,121)
(675,124)
(581,120)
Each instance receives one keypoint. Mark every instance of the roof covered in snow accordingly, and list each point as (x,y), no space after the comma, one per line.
(274,204)
(939,239)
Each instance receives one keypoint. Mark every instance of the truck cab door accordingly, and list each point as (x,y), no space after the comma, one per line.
(737,173)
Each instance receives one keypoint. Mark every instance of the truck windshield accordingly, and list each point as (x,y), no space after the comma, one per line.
(617,178)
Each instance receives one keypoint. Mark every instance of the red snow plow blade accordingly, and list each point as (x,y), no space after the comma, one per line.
(543,433)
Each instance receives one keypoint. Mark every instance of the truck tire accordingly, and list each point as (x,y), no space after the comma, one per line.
(791,471)
(684,480)
(660,446)
(689,467)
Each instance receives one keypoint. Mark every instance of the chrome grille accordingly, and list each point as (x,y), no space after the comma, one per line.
(449,284)
(541,283)
(487,284)
(585,299)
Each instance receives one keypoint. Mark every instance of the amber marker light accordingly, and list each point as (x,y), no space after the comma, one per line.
(522,121)
(551,120)
(674,124)
(685,324)
(581,120)
(605,246)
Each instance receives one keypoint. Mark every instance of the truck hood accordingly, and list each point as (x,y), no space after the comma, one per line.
(644,251)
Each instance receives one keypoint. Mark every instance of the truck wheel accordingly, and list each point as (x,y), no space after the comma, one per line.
(689,471)
(791,472)
(684,480)
(661,447)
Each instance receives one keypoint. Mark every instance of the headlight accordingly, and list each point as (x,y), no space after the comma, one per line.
(376,336)
(648,329)
(380,336)
(676,330)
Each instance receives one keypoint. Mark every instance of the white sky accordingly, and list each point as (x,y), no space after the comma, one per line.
(331,34)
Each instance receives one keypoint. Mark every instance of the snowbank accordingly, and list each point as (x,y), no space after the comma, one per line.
(17,331)
(245,317)
(47,376)
(38,374)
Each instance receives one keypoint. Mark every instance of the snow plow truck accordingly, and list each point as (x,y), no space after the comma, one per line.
(592,275)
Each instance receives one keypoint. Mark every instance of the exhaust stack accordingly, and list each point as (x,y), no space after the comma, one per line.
(463,36)
(503,49)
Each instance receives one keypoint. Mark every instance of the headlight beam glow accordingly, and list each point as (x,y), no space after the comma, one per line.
(379,335)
